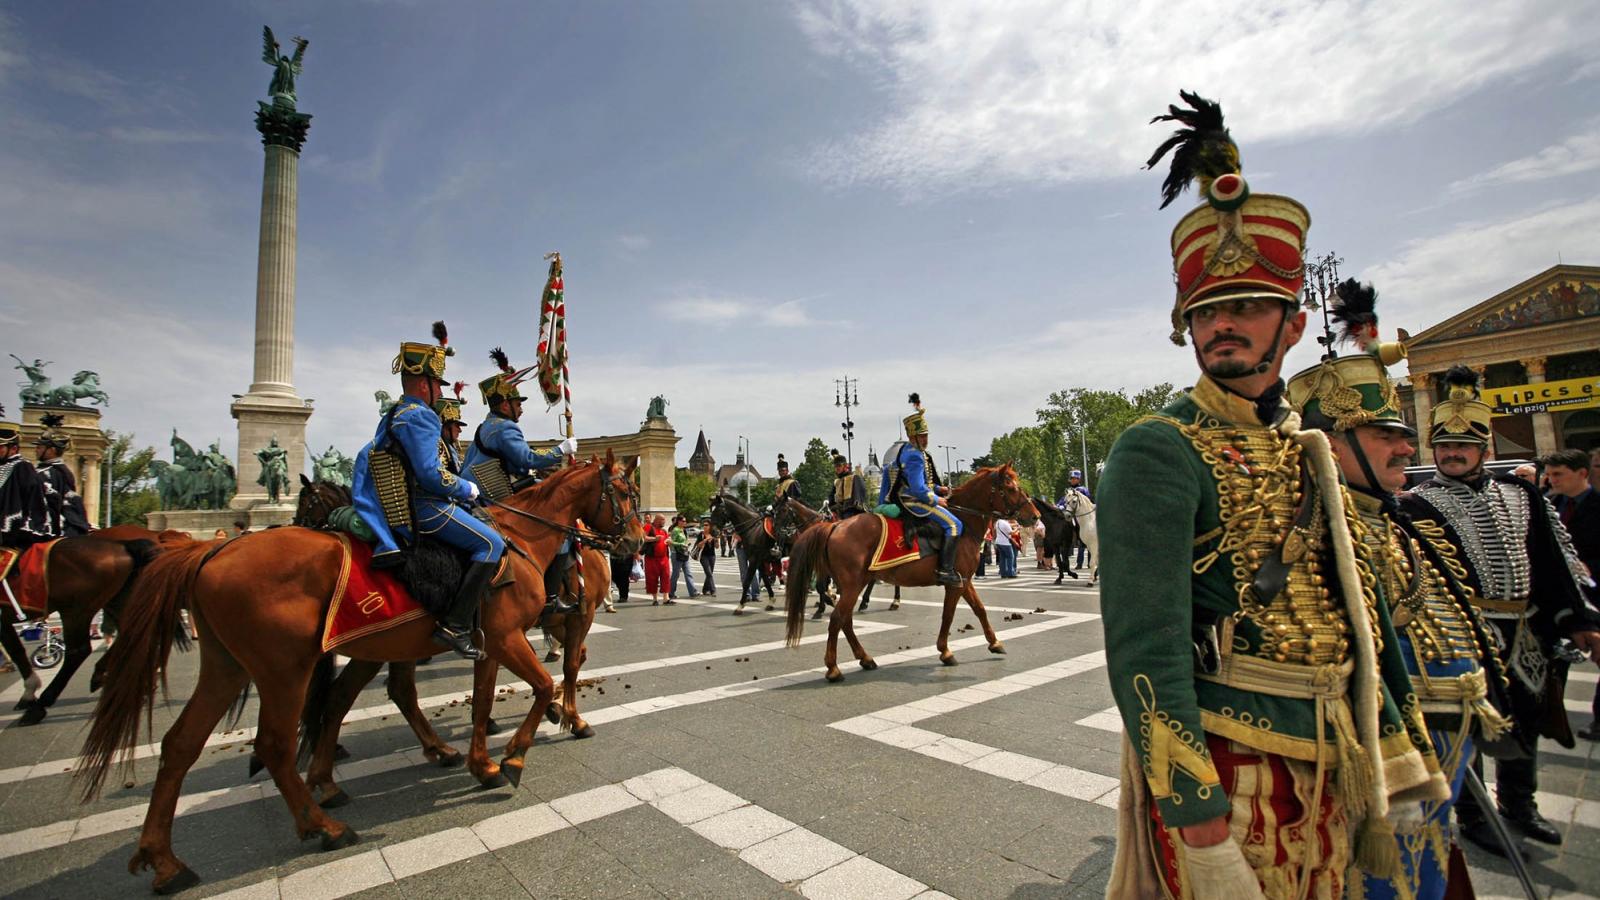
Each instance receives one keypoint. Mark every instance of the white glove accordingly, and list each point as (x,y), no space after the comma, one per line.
(1220,872)
(473,488)
(1406,817)
(568,447)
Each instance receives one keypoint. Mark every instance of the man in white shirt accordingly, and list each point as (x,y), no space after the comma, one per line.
(1005,552)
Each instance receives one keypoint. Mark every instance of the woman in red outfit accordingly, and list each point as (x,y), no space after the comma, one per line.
(656,563)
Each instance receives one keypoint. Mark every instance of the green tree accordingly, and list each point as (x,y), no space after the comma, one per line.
(693,492)
(761,493)
(1034,451)
(815,473)
(133,490)
(1086,420)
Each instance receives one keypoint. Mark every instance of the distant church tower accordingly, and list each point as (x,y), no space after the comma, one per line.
(700,461)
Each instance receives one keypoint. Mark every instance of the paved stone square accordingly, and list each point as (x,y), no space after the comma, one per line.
(722,766)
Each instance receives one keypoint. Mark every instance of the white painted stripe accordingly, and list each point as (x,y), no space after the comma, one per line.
(59,833)
(962,605)
(1583,675)
(221,739)
(778,848)
(1105,720)
(890,726)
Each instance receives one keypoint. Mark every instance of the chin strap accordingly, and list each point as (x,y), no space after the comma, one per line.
(1361,457)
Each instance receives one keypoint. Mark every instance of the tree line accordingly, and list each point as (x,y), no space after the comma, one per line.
(1076,429)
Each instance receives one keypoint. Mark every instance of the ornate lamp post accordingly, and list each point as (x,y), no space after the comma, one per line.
(1322,281)
(844,394)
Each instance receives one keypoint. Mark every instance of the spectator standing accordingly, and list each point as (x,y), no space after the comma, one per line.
(655,559)
(678,539)
(1578,506)
(1041,553)
(1005,549)
(985,554)
(622,574)
(705,550)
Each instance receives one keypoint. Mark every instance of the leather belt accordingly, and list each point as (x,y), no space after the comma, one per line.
(1264,676)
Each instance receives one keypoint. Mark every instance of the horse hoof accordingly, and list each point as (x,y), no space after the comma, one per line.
(182,881)
(340,753)
(894,606)
(22,704)
(493,727)
(868,663)
(496,780)
(552,715)
(770,607)
(739,611)
(34,715)
(513,773)
(348,838)
(333,801)
(835,675)
(817,614)
(947,658)
(451,760)
(552,656)
(997,647)
(255,765)
(584,732)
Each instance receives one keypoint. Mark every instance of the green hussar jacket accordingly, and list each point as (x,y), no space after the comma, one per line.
(1194,504)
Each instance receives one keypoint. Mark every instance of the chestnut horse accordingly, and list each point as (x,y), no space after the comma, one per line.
(87,573)
(326,708)
(258,602)
(843,550)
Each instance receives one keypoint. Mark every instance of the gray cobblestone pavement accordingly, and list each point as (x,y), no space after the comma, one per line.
(722,766)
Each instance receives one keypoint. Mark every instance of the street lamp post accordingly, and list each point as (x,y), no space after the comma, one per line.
(845,394)
(1321,283)
(947,448)
(744,468)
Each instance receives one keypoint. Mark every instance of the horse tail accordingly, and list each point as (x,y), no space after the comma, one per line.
(317,696)
(150,625)
(808,550)
(141,551)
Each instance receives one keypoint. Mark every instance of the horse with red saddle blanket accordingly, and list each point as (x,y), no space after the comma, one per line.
(260,604)
(75,577)
(859,550)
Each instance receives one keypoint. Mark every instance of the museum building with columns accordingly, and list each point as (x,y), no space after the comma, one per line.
(1537,347)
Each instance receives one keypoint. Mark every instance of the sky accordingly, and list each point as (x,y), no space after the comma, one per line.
(752,199)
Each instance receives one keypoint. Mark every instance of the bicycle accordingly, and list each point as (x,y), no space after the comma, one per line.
(51,650)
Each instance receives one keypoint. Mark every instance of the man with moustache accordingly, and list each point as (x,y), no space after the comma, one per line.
(1442,639)
(1262,690)
(1504,543)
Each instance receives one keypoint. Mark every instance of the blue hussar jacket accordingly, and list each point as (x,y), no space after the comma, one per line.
(500,438)
(908,467)
(415,429)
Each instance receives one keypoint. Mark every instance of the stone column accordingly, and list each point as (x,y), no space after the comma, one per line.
(1422,403)
(84,456)
(1544,424)
(658,447)
(272,408)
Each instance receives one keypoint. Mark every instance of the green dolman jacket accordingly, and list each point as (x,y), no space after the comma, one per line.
(1160,518)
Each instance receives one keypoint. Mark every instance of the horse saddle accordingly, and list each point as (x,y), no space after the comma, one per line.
(898,542)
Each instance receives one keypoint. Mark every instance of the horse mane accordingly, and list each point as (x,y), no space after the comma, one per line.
(545,490)
(978,477)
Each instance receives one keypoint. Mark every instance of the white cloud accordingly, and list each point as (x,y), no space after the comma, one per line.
(720,312)
(982,93)
(144,134)
(1433,278)
(1578,153)
(634,243)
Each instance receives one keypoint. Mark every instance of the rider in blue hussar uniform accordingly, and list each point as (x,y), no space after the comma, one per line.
(499,439)
(911,481)
(440,500)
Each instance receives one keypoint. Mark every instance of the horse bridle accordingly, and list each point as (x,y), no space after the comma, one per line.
(995,492)
(1075,504)
(739,527)
(608,494)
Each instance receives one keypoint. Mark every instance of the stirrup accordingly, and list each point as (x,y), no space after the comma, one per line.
(949,577)
(459,641)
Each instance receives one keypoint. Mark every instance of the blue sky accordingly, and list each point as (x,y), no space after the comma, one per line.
(752,198)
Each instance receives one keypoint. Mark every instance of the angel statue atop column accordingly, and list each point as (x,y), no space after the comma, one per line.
(284,68)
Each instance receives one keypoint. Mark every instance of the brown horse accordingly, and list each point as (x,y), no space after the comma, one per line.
(259,601)
(86,574)
(844,550)
(326,711)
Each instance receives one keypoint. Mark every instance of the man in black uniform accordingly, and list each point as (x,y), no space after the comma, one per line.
(65,504)
(24,521)
(849,495)
(1509,549)
(787,486)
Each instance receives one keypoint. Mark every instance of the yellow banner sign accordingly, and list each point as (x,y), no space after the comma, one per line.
(1550,396)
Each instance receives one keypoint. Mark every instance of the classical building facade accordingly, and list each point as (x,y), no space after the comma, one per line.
(1537,346)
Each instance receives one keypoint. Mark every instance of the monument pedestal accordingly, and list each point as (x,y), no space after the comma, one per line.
(261,418)
(86,456)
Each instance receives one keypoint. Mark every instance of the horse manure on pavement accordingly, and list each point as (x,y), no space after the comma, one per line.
(1038,609)
(1014,617)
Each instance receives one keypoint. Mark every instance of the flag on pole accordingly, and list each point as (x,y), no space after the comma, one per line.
(553,339)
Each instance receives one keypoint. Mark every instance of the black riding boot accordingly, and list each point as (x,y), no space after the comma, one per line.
(947,562)
(555,602)
(455,626)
